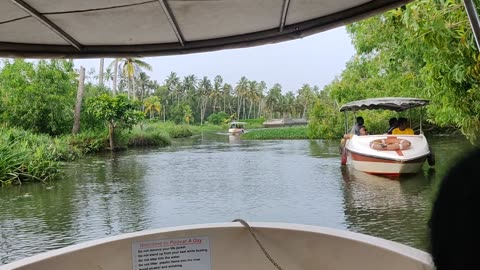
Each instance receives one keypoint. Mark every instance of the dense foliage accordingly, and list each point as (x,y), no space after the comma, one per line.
(38,97)
(424,49)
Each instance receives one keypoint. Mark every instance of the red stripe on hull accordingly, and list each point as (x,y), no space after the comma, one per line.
(359,157)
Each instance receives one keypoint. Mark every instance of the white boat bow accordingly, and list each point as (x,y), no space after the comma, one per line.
(231,246)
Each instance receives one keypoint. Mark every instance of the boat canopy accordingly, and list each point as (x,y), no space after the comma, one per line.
(387,103)
(136,28)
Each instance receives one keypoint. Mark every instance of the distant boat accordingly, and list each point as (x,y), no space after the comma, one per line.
(236,127)
(233,246)
(285,122)
(386,154)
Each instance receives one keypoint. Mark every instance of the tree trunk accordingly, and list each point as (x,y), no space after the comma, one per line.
(111,131)
(239,103)
(214,104)
(78,104)
(250,109)
(115,75)
(100,73)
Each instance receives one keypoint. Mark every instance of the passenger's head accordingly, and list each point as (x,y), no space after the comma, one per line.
(360,120)
(402,123)
(454,222)
(363,130)
(393,122)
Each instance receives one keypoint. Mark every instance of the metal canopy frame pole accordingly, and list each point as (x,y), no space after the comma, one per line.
(474,21)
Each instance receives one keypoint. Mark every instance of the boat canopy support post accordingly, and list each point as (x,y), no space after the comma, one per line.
(421,120)
(346,121)
(474,21)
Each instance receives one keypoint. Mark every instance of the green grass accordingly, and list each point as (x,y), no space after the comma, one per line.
(287,133)
(25,156)
(148,137)
(173,130)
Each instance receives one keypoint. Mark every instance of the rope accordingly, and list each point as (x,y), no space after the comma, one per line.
(244,223)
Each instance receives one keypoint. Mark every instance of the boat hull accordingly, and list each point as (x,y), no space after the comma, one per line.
(231,246)
(374,165)
(236,130)
(360,154)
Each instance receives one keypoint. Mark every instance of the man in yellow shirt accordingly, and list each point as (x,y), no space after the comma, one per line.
(403,128)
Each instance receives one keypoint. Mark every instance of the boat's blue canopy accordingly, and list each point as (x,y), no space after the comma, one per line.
(397,104)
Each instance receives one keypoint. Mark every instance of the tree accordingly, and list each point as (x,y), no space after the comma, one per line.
(152,104)
(117,112)
(130,68)
(78,104)
(216,93)
(273,99)
(38,97)
(100,72)
(172,83)
(241,91)
(205,87)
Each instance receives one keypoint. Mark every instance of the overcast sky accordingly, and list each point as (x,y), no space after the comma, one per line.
(315,60)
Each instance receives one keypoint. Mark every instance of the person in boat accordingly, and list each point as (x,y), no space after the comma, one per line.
(402,128)
(393,123)
(454,225)
(363,131)
(356,128)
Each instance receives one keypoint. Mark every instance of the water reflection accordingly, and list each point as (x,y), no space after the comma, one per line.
(395,209)
(234,138)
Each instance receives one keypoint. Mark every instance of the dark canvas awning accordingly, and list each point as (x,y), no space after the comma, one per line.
(107,28)
(387,103)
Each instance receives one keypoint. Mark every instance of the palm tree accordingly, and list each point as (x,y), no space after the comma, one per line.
(305,96)
(241,90)
(143,80)
(130,68)
(152,105)
(204,87)
(273,98)
(108,75)
(216,91)
(172,83)
(189,87)
(227,91)
(114,63)
(252,94)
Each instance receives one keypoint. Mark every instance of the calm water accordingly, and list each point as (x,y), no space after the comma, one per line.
(216,178)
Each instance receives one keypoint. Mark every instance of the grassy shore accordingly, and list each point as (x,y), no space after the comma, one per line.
(286,133)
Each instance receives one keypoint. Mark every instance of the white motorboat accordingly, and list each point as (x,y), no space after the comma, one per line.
(236,127)
(386,154)
(233,246)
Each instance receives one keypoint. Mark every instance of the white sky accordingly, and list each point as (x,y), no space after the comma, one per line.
(315,60)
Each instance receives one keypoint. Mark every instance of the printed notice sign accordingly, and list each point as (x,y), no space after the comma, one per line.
(191,253)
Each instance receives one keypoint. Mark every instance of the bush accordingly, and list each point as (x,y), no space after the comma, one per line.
(218,118)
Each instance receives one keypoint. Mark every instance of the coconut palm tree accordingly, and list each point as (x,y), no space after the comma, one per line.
(152,105)
(216,93)
(114,64)
(241,90)
(130,68)
(172,83)
(204,87)
(226,92)
(273,99)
